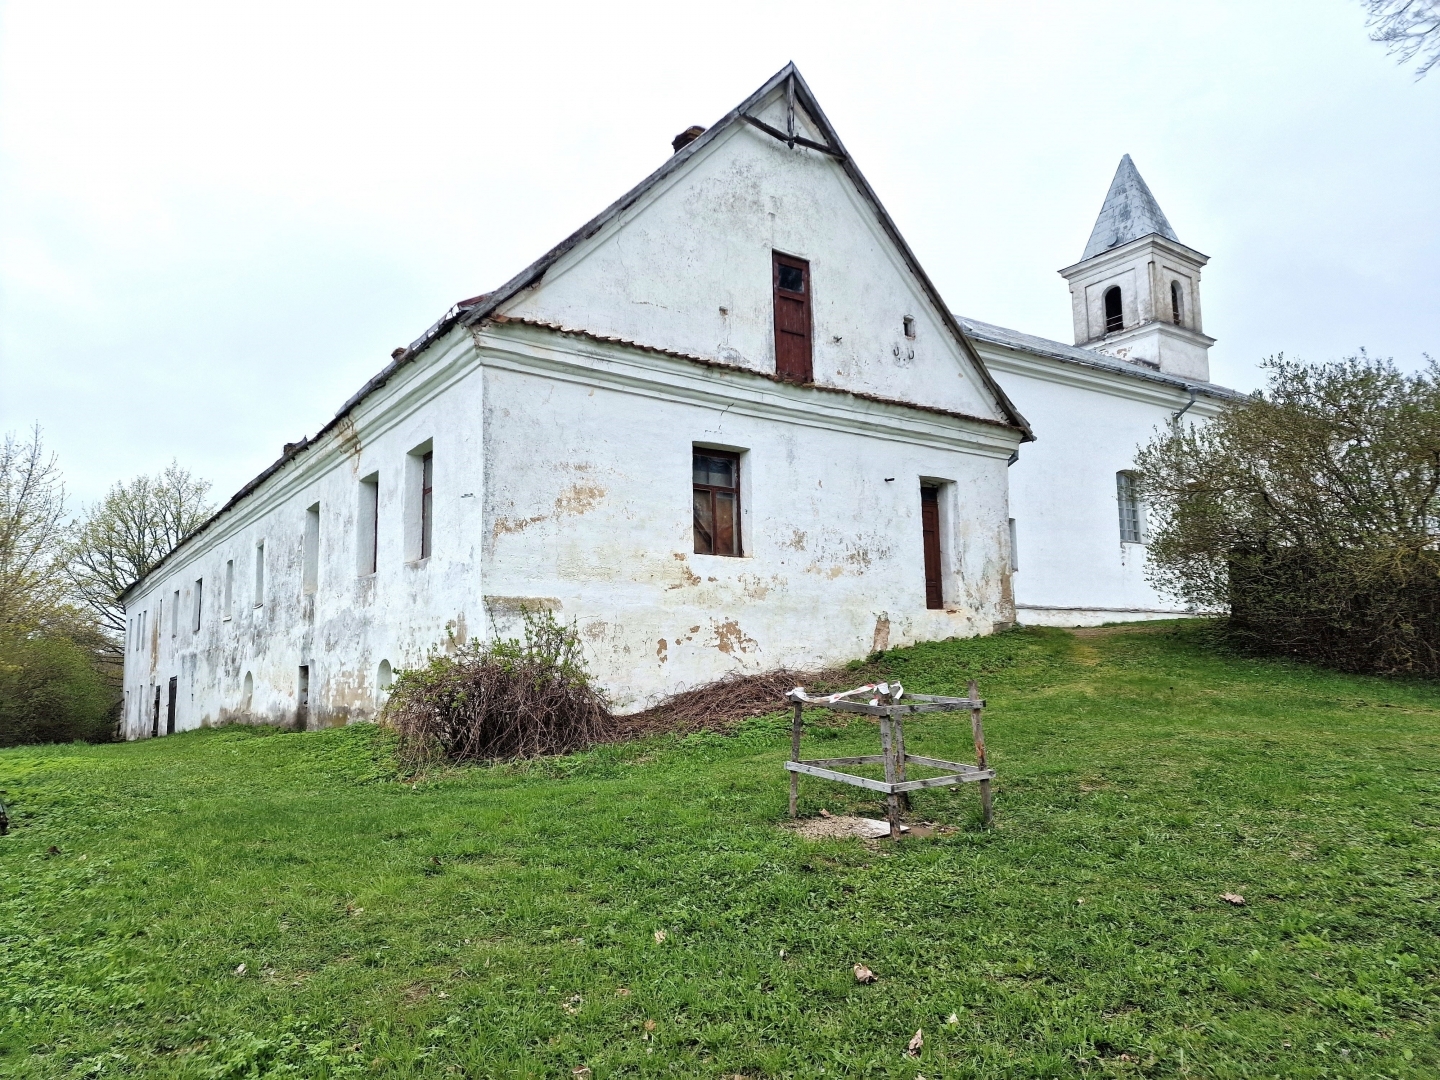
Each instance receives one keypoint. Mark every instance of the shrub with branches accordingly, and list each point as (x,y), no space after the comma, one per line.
(1312,512)
(516,698)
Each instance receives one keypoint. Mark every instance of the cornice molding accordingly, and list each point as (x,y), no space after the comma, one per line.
(536,349)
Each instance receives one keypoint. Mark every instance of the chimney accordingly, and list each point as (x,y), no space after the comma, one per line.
(686,137)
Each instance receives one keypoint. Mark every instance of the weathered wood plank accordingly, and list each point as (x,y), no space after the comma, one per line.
(938,763)
(795,726)
(956,702)
(977,729)
(868,759)
(843,778)
(888,728)
(888,710)
(946,781)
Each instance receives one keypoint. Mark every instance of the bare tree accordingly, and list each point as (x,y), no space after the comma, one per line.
(1408,28)
(32,511)
(120,539)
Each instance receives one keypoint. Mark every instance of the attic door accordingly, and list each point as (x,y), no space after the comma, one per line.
(792,318)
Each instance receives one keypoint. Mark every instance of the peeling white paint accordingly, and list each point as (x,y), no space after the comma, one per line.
(562,472)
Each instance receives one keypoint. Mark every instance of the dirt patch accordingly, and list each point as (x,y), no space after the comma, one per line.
(841,827)
(716,706)
(845,826)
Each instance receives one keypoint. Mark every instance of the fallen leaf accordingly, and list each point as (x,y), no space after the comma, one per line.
(864,975)
(916,1042)
(620,991)
(659,936)
(953,1018)
(649,1025)
(240,970)
(581,1072)
(824,813)
(1233,898)
(1125,1057)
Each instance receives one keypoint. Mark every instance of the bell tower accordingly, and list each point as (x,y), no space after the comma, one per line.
(1135,293)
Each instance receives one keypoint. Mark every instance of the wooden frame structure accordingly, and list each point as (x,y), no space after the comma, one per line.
(893,755)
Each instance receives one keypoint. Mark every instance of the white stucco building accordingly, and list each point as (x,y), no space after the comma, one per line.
(729,423)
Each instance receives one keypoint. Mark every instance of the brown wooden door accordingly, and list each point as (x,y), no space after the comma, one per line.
(930,533)
(792,318)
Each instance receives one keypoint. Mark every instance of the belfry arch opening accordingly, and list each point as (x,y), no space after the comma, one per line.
(1114,317)
(1177,311)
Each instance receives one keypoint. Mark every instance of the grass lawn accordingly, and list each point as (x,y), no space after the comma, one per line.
(641,911)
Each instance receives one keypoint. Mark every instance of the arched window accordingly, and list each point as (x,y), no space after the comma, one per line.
(384,679)
(249,692)
(1176,312)
(1114,319)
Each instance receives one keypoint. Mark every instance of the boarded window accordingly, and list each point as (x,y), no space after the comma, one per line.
(1114,314)
(716,480)
(367,540)
(302,699)
(792,318)
(1132,519)
(311,561)
(930,537)
(427,503)
(260,573)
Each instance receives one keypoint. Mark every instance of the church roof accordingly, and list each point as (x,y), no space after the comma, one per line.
(1129,213)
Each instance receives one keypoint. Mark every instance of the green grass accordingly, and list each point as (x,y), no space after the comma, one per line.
(482,923)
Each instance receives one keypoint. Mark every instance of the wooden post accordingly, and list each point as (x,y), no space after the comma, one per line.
(977,729)
(795,756)
(899,743)
(887,751)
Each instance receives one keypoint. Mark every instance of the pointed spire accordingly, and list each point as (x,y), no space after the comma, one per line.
(1130,212)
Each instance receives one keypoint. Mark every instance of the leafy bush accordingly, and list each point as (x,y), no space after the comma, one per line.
(1312,512)
(508,699)
(50,691)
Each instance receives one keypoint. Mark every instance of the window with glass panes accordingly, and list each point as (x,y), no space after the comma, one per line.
(1131,518)
(716,479)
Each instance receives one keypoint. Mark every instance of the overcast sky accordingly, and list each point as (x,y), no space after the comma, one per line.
(217,221)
